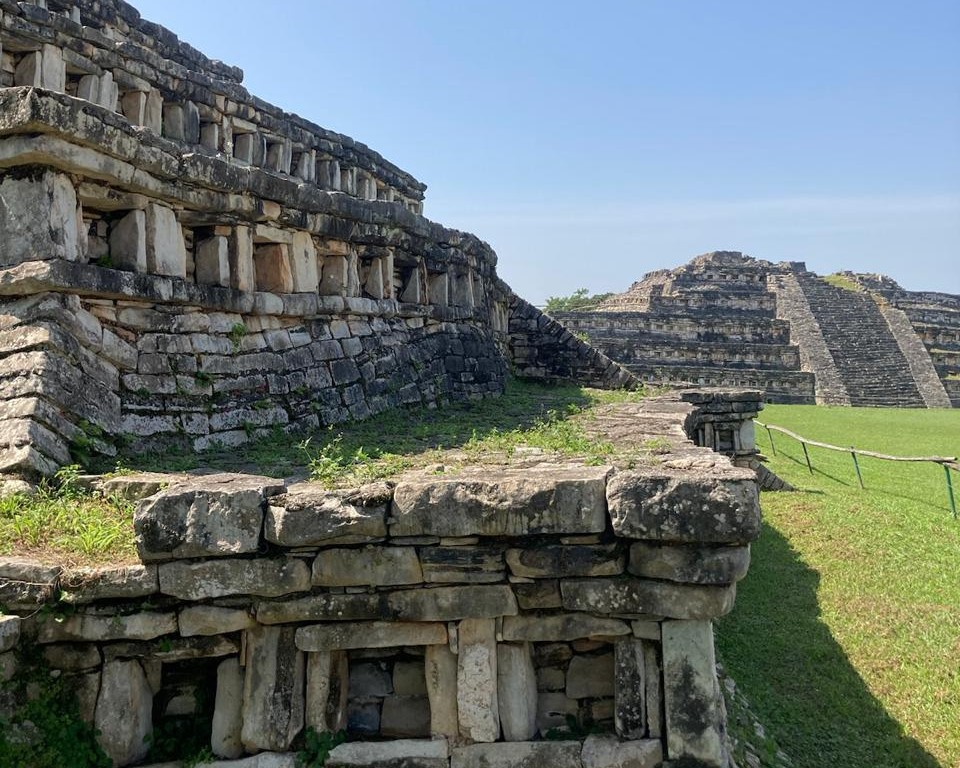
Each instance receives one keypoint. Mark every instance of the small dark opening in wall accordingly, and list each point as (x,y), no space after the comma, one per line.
(183,710)
(387,695)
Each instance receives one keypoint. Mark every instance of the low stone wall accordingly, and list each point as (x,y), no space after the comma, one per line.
(471,617)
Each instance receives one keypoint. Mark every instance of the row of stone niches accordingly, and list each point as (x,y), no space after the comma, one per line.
(196,124)
(265,258)
(453,681)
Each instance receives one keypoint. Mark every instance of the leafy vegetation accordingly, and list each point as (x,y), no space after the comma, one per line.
(846,633)
(44,729)
(580,300)
(65,520)
(844,282)
(317,747)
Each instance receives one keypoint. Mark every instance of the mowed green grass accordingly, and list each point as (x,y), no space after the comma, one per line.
(846,632)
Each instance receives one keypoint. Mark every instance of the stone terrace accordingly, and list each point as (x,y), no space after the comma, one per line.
(466,617)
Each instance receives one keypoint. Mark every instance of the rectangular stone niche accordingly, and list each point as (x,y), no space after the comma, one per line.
(183,708)
(387,694)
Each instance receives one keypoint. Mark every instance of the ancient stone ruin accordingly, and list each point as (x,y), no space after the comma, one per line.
(726,319)
(541,614)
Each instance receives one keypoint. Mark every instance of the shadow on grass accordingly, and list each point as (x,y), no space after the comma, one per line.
(798,679)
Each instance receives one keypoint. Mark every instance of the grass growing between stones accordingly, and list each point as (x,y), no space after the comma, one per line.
(532,417)
(846,633)
(64,522)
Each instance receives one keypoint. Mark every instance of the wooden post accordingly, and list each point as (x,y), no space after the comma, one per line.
(953,501)
(856,466)
(772,446)
(806,455)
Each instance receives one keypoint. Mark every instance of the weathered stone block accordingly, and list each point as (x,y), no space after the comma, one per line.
(273,690)
(212,515)
(566,561)
(84,627)
(228,710)
(85,585)
(694,712)
(405,717)
(303,263)
(307,516)
(72,657)
(370,634)
(440,671)
(552,499)
(128,242)
(685,507)
(518,754)
(409,678)
(268,577)
(205,620)
(242,273)
(474,565)
(590,676)
(691,564)
(166,251)
(604,751)
(124,712)
(554,711)
(564,626)
(630,701)
(399,753)
(9,632)
(516,691)
(272,268)
(38,218)
(477,702)
(212,262)
(373,566)
(53,72)
(635,597)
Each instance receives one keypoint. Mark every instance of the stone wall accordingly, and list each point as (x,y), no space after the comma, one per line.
(183,265)
(493,615)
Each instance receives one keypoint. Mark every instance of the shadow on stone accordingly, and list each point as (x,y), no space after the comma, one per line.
(798,679)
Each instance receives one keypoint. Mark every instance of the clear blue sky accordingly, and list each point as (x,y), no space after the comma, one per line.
(592,142)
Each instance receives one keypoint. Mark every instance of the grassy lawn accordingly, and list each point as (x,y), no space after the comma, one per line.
(846,633)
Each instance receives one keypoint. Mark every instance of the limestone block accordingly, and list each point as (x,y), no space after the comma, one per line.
(228,710)
(590,676)
(552,499)
(173,126)
(353,274)
(191,123)
(563,626)
(413,291)
(399,753)
(566,560)
(210,136)
(327,690)
(537,595)
(124,711)
(107,91)
(38,218)
(89,88)
(153,113)
(242,271)
(516,691)
(272,268)
(440,676)
(333,280)
(273,690)
(166,252)
(72,657)
(133,105)
(10,632)
(653,674)
(8,666)
(307,516)
(205,620)
(85,585)
(93,628)
(26,583)
(518,754)
(409,678)
(694,715)
(405,717)
(691,564)
(373,285)
(212,262)
(303,263)
(54,72)
(370,634)
(477,703)
(373,566)
(128,242)
(243,145)
(652,598)
(607,751)
(438,293)
(29,70)
(268,577)
(86,688)
(474,565)
(630,701)
(645,504)
(212,515)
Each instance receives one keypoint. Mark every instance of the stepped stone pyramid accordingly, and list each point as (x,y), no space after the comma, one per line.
(727,319)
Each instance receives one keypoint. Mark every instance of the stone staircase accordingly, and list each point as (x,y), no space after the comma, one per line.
(871,365)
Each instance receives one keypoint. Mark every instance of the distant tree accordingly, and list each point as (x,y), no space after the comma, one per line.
(580,300)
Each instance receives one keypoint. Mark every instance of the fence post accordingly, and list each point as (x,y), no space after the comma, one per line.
(953,502)
(806,455)
(772,446)
(856,465)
